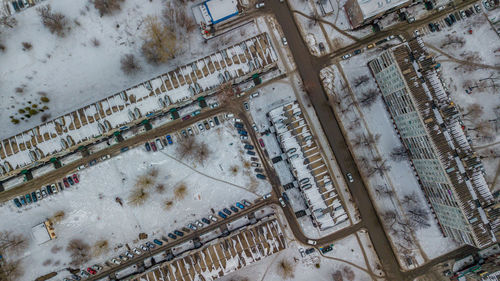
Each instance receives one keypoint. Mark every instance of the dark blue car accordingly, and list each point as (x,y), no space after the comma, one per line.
(205,220)
(18,204)
(179,233)
(249,146)
(249,152)
(70,180)
(172,236)
(285,197)
(169,139)
(226,210)
(23,202)
(222,215)
(148,147)
(33,196)
(238,125)
(239,205)
(49,189)
(158,242)
(242,132)
(261,176)
(234,209)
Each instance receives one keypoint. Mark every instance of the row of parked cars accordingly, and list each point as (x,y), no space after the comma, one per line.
(240,127)
(18,5)
(454,17)
(159,143)
(196,225)
(83,274)
(45,191)
(203,125)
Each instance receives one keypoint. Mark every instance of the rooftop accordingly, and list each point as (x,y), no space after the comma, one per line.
(370,8)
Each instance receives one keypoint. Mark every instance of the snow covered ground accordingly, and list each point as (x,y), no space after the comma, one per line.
(470,86)
(92,212)
(346,259)
(427,242)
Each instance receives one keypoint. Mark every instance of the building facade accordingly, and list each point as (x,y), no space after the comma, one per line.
(429,126)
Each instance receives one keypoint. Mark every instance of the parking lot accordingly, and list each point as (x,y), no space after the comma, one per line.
(223,256)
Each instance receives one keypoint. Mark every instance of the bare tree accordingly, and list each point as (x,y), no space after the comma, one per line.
(177,16)
(129,64)
(160,43)
(79,251)
(55,22)
(399,153)
(180,191)
(369,97)
(384,191)
(484,129)
(348,273)
(285,269)
(418,216)
(360,80)
(474,111)
(453,41)
(12,243)
(11,270)
(202,153)
(138,197)
(100,247)
(9,22)
(379,166)
(106,7)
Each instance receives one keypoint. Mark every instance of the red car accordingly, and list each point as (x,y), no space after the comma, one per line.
(153,146)
(186,117)
(261,142)
(91,271)
(66,183)
(75,178)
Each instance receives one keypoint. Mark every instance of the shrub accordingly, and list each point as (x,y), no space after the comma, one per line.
(27,46)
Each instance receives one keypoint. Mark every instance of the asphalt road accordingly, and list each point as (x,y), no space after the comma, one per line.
(309,68)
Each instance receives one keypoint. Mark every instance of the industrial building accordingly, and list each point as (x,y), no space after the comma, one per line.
(210,13)
(429,125)
(361,12)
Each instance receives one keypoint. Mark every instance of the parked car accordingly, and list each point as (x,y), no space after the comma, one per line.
(178,233)
(153,146)
(190,131)
(158,242)
(116,261)
(205,220)
(258,170)
(144,247)
(49,189)
(234,209)
(172,236)
(22,200)
(211,217)
(477,7)
(238,125)
(65,182)
(283,39)
(226,210)
(33,196)
(185,229)
(370,46)
(186,117)
(192,226)
(75,178)
(136,251)
(261,142)
(285,197)
(243,137)
(207,126)
(311,242)
(216,120)
(246,106)
(17,202)
(129,254)
(84,274)
(259,5)
(357,52)
(44,193)
(148,147)
(184,134)
(91,271)
(169,139)
(54,188)
(70,180)
(200,126)
(211,123)
(261,176)
(199,224)
(242,132)
(150,245)
(249,146)
(255,164)
(239,205)
(250,152)
(246,203)
(346,56)
(222,215)
(159,144)
(265,196)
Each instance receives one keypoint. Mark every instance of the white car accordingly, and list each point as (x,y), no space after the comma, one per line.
(417,33)
(54,188)
(283,39)
(116,261)
(144,248)
(259,5)
(346,56)
(243,137)
(136,251)
(199,224)
(105,157)
(349,177)
(282,202)
(254,95)
(212,218)
(265,196)
(311,242)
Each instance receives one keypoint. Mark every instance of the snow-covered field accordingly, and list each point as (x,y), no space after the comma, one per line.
(72,71)
(482,47)
(427,242)
(92,212)
(346,259)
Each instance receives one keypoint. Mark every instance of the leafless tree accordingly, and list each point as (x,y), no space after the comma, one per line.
(286,269)
(138,197)
(399,153)
(348,273)
(473,111)
(314,19)
(453,41)
(360,80)
(79,251)
(129,64)
(202,153)
(11,270)
(484,129)
(337,276)
(180,191)
(369,97)
(55,22)
(379,166)
(160,43)
(409,199)
(354,124)
(178,17)
(418,216)
(12,243)
(384,191)
(106,7)
(9,22)
(100,247)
